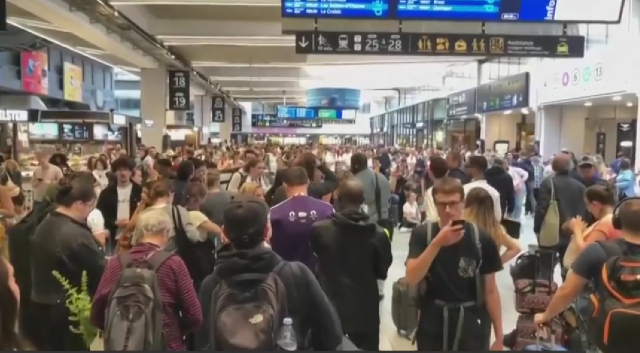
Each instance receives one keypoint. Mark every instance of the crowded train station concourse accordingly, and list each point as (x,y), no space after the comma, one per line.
(319,175)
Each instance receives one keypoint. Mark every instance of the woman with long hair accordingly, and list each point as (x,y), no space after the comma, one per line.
(9,304)
(478,209)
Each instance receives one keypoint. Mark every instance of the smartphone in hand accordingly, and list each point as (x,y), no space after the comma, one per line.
(458,223)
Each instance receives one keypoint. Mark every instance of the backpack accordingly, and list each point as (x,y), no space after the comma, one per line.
(248,311)
(134,309)
(615,302)
(406,300)
(550,229)
(243,179)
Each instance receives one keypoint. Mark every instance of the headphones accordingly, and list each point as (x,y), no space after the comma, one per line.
(616,221)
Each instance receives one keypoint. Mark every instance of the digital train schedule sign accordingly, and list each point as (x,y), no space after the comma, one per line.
(564,11)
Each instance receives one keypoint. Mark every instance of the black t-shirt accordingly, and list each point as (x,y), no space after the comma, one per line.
(451,277)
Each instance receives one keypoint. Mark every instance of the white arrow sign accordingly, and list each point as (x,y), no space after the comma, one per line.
(303,42)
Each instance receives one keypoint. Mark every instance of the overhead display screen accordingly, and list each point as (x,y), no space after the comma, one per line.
(336,8)
(461,104)
(437,44)
(504,94)
(272,120)
(583,11)
(596,11)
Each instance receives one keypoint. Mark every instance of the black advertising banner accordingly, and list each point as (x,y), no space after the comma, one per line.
(179,90)
(437,44)
(3,15)
(601,144)
(217,109)
(504,94)
(461,104)
(236,119)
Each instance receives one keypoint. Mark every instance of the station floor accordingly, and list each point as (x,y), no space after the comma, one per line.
(390,341)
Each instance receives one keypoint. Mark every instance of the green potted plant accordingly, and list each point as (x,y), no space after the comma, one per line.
(79,304)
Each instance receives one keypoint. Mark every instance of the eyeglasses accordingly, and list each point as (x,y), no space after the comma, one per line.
(451,204)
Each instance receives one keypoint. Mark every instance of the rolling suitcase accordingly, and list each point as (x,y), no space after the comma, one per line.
(404,308)
(534,294)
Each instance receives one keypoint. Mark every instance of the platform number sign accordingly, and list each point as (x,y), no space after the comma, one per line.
(236,115)
(218,109)
(179,90)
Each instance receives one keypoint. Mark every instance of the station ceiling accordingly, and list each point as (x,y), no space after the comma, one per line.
(237,43)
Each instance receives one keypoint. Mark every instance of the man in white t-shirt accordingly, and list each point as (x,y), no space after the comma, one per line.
(45,174)
(476,167)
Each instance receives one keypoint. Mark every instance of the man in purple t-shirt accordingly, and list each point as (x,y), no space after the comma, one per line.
(291,220)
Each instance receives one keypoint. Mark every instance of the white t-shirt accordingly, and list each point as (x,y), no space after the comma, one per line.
(411,212)
(95,221)
(330,160)
(495,195)
(124,200)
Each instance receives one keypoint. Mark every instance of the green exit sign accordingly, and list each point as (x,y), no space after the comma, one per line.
(327,114)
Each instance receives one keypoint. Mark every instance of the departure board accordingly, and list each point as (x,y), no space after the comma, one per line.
(336,8)
(591,11)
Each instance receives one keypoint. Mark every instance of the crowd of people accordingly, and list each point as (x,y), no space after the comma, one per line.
(234,245)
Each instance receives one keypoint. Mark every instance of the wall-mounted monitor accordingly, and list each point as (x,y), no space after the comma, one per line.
(104,132)
(44,131)
(75,131)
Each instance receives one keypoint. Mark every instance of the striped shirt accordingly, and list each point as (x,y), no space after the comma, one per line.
(182,311)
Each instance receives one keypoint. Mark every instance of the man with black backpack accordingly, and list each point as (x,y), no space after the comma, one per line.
(251,281)
(612,268)
(146,300)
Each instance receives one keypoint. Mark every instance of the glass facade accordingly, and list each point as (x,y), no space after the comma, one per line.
(424,124)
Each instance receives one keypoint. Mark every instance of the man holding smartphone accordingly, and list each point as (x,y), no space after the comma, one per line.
(43,176)
(457,263)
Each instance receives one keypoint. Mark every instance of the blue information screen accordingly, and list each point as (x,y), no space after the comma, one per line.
(582,11)
(336,8)
(293,112)
(512,10)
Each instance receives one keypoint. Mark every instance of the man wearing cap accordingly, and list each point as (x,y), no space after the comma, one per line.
(246,229)
(588,172)
(588,176)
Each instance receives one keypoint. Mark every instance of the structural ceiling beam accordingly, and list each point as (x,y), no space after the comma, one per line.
(58,13)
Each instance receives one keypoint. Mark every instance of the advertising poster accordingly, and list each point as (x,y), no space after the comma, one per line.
(72,82)
(34,67)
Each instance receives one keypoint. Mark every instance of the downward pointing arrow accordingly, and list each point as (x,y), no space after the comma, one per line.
(303,42)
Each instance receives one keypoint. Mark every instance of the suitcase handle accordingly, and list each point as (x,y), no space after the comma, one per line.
(539,254)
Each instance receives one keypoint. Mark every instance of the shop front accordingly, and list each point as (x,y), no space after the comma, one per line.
(590,105)
(509,122)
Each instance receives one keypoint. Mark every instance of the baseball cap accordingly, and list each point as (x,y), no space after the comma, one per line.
(244,221)
(587,161)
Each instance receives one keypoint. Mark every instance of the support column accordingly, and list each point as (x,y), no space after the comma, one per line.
(202,116)
(636,143)
(153,105)
(225,128)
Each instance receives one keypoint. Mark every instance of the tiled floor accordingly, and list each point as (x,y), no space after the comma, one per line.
(390,341)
